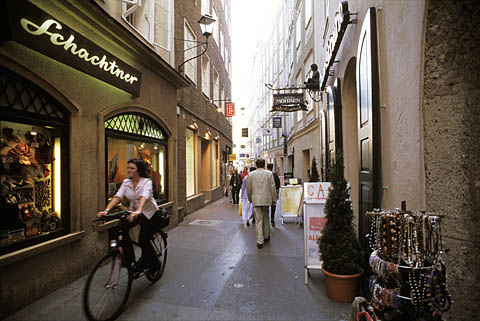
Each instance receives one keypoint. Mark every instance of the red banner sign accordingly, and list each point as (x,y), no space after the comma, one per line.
(230,109)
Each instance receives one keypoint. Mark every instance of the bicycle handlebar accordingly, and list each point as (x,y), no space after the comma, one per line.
(109,217)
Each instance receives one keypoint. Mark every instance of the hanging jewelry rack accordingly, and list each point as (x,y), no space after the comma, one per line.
(414,238)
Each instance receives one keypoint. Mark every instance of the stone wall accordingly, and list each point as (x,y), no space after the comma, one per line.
(451,143)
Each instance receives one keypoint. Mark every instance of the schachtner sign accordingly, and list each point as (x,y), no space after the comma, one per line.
(38,30)
(289,102)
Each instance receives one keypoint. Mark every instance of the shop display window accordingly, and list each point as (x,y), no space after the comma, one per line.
(136,136)
(31,193)
(190,161)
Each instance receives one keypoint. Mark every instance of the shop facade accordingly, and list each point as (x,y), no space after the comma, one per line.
(398,108)
(203,160)
(80,95)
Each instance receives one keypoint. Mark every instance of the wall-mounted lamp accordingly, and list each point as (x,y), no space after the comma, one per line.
(193,125)
(217,137)
(208,134)
(206,25)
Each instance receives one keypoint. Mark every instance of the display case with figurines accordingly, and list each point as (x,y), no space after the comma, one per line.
(409,275)
(26,182)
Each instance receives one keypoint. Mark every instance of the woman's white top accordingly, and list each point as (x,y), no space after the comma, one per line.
(144,188)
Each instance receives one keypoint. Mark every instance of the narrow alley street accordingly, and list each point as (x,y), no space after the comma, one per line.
(215,272)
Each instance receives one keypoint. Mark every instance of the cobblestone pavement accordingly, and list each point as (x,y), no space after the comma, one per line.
(215,272)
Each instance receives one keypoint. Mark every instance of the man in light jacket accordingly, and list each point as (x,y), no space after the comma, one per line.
(262,193)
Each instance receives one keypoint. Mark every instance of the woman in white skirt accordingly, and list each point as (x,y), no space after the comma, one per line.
(247,207)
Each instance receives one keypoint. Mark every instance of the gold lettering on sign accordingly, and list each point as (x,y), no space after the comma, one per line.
(70,46)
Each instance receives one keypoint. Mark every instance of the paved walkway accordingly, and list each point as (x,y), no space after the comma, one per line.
(215,272)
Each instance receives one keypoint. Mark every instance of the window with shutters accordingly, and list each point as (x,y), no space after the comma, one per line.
(151,18)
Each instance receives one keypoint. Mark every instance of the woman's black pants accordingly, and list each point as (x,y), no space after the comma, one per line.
(148,227)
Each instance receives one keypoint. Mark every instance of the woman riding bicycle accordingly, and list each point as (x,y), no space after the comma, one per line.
(138,190)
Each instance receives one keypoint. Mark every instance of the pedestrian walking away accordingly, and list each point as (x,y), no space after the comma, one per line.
(228,187)
(236,184)
(262,194)
(247,208)
(273,208)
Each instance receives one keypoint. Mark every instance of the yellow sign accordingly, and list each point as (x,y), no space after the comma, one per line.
(291,199)
(232,157)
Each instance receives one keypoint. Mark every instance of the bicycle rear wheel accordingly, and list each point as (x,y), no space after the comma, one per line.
(107,289)
(159,243)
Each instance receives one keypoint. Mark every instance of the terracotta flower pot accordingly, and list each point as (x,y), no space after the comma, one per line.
(342,288)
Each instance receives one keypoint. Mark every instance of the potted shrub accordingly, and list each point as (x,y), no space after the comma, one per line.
(339,247)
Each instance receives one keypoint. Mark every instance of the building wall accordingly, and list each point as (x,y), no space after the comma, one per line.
(451,149)
(429,88)
(194,105)
(33,272)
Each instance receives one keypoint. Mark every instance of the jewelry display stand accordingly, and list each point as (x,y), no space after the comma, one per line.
(409,276)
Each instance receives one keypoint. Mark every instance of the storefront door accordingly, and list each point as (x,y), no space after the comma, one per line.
(368,122)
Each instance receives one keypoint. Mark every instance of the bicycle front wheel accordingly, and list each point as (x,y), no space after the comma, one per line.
(159,243)
(107,289)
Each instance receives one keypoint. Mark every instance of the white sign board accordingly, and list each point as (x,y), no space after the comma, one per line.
(315,192)
(315,197)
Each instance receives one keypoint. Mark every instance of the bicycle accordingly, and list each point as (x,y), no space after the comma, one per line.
(109,283)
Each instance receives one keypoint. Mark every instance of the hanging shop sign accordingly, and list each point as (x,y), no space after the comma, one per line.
(289,102)
(258,140)
(342,19)
(244,132)
(277,122)
(230,109)
(44,33)
(232,157)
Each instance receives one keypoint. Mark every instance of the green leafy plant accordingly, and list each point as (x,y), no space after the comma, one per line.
(314,176)
(339,247)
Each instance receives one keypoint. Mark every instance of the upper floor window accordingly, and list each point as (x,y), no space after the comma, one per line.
(216,27)
(298,82)
(190,51)
(205,7)
(206,75)
(216,87)
(306,70)
(151,18)
(308,12)
(222,45)
(298,32)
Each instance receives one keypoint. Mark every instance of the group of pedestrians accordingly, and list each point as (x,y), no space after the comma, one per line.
(259,193)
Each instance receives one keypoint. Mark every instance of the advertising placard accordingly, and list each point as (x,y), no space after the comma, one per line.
(315,197)
(291,198)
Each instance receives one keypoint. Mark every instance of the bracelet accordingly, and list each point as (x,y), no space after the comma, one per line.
(107,210)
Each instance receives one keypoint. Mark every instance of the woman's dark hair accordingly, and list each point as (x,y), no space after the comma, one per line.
(141,167)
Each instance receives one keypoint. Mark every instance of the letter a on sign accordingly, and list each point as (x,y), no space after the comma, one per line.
(230,109)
